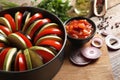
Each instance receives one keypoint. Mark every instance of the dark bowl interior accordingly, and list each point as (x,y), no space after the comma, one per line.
(49,69)
(84,40)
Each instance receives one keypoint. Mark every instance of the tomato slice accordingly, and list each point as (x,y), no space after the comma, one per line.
(22,62)
(5,22)
(49,25)
(48,31)
(46,55)
(44,52)
(35,16)
(18,20)
(5,30)
(53,37)
(50,42)
(2,57)
(31,30)
(7,66)
(31,19)
(27,41)
(11,21)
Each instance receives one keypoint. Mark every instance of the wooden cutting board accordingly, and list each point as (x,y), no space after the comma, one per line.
(97,70)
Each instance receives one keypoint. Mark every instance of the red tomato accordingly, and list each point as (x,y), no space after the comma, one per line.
(51,30)
(45,55)
(2,57)
(79,28)
(22,62)
(33,18)
(5,30)
(50,42)
(27,41)
(18,20)
(38,25)
(11,21)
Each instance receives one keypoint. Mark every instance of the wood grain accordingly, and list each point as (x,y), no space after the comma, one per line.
(98,70)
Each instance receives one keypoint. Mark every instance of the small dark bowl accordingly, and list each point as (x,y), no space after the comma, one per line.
(81,41)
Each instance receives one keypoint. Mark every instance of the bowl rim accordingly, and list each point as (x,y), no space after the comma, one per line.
(78,18)
(64,42)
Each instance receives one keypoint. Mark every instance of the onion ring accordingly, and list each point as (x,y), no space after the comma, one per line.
(91,52)
(112,42)
(97,42)
(78,59)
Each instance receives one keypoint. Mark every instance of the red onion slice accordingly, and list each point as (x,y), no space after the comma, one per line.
(97,42)
(112,42)
(78,59)
(91,52)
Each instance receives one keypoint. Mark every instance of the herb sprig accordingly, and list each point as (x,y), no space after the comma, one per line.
(57,7)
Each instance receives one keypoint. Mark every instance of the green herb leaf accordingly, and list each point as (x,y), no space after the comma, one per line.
(57,7)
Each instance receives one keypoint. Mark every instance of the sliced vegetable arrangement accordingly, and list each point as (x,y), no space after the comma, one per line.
(28,41)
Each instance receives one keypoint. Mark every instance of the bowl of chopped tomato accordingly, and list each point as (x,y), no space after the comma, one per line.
(80,30)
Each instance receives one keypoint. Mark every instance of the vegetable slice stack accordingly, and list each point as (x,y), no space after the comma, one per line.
(28,40)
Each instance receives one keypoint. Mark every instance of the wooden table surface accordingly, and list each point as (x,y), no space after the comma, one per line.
(99,69)
(114,11)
